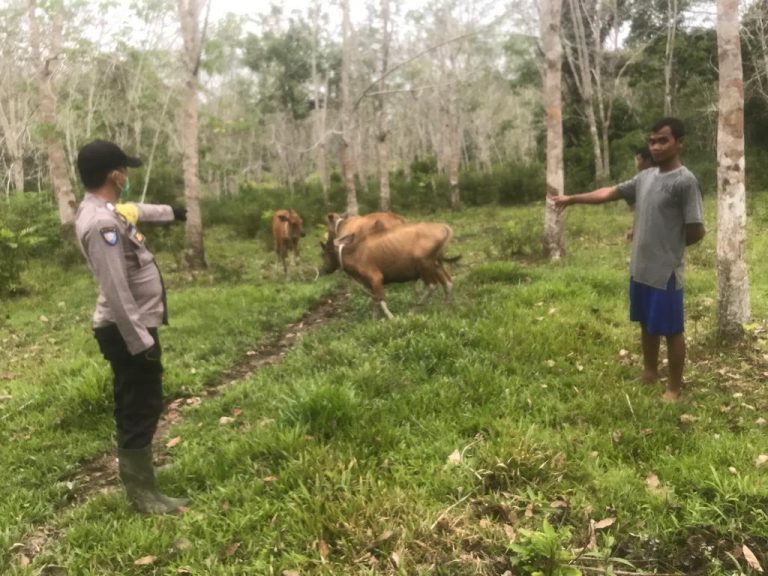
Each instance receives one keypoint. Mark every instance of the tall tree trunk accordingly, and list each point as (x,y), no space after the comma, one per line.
(193,36)
(57,161)
(319,112)
(347,168)
(13,128)
(733,308)
(669,56)
(582,70)
(382,129)
(554,221)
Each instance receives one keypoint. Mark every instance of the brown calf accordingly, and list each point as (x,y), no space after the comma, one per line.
(404,254)
(287,228)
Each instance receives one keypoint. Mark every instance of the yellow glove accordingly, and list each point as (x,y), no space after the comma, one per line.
(129,211)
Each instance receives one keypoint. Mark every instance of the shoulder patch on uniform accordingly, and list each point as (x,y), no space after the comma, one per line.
(109,233)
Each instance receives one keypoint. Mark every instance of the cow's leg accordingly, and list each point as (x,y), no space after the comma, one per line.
(376,284)
(445,280)
(427,294)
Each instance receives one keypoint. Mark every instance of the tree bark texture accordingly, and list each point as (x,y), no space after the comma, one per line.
(347,165)
(382,146)
(733,308)
(189,17)
(582,69)
(57,161)
(554,221)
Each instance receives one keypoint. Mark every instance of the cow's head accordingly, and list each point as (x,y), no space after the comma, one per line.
(333,220)
(295,225)
(330,252)
(330,256)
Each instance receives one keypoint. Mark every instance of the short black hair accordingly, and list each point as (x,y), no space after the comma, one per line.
(675,125)
(644,152)
(98,158)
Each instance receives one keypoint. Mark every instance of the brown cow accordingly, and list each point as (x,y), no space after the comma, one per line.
(407,253)
(361,226)
(287,228)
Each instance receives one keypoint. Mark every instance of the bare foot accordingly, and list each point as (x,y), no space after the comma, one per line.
(649,377)
(671,395)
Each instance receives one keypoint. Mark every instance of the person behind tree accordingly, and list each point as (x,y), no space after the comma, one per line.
(668,217)
(130,308)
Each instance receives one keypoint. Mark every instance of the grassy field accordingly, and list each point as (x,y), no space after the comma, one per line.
(504,433)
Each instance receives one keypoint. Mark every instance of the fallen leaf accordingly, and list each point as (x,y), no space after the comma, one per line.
(184,570)
(455,457)
(646,432)
(395,558)
(324,549)
(616,436)
(761,421)
(484,523)
(5,397)
(7,376)
(145,561)
(623,353)
(687,418)
(652,481)
(558,504)
(529,510)
(173,442)
(250,353)
(224,420)
(193,370)
(732,470)
(231,549)
(269,478)
(290,573)
(510,532)
(579,368)
(604,523)
(237,412)
(43,319)
(762,459)
(24,560)
(751,559)
(182,544)
(551,363)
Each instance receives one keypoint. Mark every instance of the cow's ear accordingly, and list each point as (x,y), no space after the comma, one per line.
(283,218)
(345,240)
(331,217)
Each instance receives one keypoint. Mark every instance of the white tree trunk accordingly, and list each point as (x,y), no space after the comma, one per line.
(347,167)
(554,221)
(733,308)
(382,146)
(669,56)
(193,35)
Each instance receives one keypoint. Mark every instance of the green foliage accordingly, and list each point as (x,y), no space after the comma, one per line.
(544,552)
(29,228)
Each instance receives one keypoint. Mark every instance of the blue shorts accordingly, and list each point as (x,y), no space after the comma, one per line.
(659,311)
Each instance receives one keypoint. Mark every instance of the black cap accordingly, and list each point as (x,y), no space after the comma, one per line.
(98,158)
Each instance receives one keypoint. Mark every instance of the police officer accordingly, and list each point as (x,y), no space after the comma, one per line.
(130,308)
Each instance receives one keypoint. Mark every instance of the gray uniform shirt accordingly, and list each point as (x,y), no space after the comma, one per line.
(664,204)
(131,293)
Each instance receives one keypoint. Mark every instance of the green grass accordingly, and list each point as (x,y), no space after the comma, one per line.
(342,459)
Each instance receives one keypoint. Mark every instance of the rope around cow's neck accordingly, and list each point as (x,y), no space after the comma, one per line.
(338,222)
(341,263)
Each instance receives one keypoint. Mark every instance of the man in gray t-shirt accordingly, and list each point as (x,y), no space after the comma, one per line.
(668,217)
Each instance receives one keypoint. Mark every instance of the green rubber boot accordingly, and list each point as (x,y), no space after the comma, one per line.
(138,477)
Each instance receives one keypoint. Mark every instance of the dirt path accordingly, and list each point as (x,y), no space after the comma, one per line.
(99,475)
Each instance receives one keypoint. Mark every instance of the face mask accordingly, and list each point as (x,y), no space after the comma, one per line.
(125,190)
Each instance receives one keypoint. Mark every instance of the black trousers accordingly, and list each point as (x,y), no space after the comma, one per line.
(138,388)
